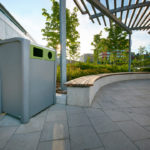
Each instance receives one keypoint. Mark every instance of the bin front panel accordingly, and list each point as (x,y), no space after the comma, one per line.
(11,77)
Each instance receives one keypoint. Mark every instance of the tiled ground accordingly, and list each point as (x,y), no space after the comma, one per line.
(118,120)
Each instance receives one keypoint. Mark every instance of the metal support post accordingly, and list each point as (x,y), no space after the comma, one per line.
(129,67)
(63,43)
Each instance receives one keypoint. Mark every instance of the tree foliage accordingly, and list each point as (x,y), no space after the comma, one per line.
(115,42)
(100,45)
(117,38)
(51,32)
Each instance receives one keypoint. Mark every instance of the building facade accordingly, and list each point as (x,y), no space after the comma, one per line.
(87,58)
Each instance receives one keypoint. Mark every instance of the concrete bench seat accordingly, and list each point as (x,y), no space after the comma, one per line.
(81,91)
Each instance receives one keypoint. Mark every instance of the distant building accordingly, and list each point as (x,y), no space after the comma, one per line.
(10,27)
(119,54)
(87,57)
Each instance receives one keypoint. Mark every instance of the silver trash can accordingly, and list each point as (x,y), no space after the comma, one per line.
(28,77)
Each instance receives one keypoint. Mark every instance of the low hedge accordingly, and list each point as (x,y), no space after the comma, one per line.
(82,69)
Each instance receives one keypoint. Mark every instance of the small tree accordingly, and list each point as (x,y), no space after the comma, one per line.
(117,39)
(96,45)
(51,32)
(100,46)
(141,51)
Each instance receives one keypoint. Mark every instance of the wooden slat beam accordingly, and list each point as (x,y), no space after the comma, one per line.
(142,17)
(103,17)
(137,1)
(105,11)
(115,4)
(79,7)
(139,11)
(148,27)
(122,4)
(146,22)
(82,1)
(129,4)
(128,7)
(140,28)
(95,14)
(107,5)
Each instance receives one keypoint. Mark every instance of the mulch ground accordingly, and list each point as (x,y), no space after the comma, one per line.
(58,90)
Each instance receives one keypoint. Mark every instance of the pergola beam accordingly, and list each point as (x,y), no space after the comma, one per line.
(95,14)
(105,11)
(122,3)
(146,23)
(129,4)
(103,17)
(82,1)
(115,4)
(140,28)
(107,5)
(143,16)
(133,12)
(129,7)
(135,19)
(79,7)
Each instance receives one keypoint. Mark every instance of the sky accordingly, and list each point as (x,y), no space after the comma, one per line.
(29,14)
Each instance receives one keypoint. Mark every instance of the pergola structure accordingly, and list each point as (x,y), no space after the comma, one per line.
(136,17)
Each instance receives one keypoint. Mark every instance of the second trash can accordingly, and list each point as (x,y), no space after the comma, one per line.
(28,77)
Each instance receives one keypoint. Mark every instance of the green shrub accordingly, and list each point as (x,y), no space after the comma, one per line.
(82,69)
(145,69)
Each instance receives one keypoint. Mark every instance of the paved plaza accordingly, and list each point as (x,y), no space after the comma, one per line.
(119,119)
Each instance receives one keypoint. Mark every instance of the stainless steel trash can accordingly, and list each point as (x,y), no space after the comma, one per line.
(28,77)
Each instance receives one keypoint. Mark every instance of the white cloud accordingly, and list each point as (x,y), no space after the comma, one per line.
(140,38)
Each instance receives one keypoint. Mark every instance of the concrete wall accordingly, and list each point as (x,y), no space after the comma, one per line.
(9,30)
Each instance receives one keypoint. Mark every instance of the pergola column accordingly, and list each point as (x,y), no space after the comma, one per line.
(130,43)
(63,43)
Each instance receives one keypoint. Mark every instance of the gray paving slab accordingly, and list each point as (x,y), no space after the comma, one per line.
(55,130)
(140,118)
(54,145)
(147,128)
(5,135)
(57,107)
(104,124)
(42,114)
(84,138)
(91,112)
(144,144)
(137,103)
(122,104)
(101,148)
(2,115)
(117,141)
(35,124)
(108,104)
(23,142)
(74,109)
(78,119)
(133,130)
(141,110)
(56,115)
(95,104)
(9,121)
(117,115)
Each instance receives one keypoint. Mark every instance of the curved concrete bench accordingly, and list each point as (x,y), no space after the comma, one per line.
(81,91)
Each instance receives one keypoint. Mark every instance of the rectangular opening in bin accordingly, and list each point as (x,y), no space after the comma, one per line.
(37,52)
